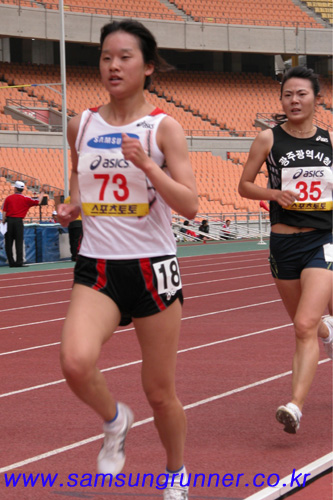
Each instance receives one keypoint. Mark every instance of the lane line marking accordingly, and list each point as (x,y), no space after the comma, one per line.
(132,363)
(32,306)
(284,486)
(22,285)
(183,319)
(83,442)
(34,293)
(184,284)
(46,304)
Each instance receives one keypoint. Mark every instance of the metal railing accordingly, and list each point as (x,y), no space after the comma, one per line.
(243,225)
(269,120)
(32,183)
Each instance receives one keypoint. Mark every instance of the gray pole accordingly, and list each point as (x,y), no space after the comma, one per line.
(63,87)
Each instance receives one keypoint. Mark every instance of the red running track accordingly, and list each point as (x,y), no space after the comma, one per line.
(233,371)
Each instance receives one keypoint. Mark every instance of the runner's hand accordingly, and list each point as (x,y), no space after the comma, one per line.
(67,213)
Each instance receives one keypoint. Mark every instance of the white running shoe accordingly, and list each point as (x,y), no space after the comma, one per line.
(328,342)
(289,418)
(175,489)
(111,458)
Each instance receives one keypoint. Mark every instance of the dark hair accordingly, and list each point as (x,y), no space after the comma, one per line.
(298,72)
(146,40)
(302,72)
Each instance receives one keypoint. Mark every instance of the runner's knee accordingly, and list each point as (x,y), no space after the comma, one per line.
(77,365)
(160,398)
(305,328)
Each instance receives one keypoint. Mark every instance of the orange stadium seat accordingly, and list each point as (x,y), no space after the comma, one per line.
(204,104)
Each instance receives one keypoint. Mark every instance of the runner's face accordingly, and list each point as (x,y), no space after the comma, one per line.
(298,99)
(122,67)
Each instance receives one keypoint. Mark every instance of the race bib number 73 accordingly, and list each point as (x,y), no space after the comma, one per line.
(111,186)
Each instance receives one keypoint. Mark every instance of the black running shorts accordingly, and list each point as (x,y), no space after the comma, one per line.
(139,287)
(291,253)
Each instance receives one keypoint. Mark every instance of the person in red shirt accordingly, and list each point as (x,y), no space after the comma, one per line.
(15,208)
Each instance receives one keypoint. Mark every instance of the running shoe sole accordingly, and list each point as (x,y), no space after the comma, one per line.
(286,417)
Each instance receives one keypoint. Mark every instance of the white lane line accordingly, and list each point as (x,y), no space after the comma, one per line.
(46,304)
(22,285)
(219,263)
(27,277)
(34,293)
(227,279)
(288,483)
(184,284)
(32,306)
(223,270)
(31,324)
(183,319)
(230,291)
(125,365)
(83,442)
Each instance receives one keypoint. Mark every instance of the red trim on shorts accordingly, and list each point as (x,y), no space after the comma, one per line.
(148,277)
(101,274)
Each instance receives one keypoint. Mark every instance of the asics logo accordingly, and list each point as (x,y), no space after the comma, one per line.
(308,173)
(108,163)
(145,125)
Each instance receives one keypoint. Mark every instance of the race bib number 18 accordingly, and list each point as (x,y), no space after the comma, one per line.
(168,276)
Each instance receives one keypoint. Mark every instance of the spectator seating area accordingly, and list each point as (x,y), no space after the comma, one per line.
(251,12)
(268,13)
(207,103)
(322,7)
(204,103)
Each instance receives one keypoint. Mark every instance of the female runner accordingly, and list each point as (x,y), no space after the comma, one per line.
(298,155)
(130,168)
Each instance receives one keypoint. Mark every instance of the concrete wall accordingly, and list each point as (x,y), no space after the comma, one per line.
(43,23)
(217,145)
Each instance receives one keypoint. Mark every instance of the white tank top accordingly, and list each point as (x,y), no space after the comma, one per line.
(123,216)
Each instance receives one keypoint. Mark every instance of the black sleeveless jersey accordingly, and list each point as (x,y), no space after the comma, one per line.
(292,152)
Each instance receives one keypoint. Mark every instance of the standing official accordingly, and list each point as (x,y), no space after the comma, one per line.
(15,208)
(75,233)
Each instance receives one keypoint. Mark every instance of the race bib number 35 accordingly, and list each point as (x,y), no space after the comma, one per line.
(168,276)
(313,184)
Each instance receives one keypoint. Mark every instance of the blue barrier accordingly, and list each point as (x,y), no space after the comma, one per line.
(41,244)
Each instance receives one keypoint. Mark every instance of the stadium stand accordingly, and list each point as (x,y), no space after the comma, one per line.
(224,102)
(269,13)
(253,12)
(216,95)
(322,7)
(206,103)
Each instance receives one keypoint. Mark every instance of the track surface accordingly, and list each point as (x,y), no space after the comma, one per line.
(234,369)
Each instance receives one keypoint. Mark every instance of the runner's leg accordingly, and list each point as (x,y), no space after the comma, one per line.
(91,319)
(158,337)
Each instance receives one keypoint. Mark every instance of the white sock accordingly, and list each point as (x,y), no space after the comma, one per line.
(117,424)
(329,339)
(295,409)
